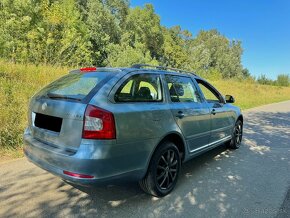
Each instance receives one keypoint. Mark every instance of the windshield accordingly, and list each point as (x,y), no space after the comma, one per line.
(73,86)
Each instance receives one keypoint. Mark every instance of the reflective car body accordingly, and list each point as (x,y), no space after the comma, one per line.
(54,139)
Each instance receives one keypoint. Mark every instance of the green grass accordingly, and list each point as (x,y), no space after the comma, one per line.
(19,82)
(248,94)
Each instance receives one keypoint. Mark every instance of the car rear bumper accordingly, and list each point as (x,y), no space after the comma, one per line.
(106,162)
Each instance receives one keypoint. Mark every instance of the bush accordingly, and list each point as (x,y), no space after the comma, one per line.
(263,80)
(283,80)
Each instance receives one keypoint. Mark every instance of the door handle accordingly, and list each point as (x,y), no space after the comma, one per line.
(180,114)
(213,112)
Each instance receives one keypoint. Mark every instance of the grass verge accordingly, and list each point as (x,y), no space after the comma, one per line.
(19,82)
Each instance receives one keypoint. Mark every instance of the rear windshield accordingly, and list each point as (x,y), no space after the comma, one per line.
(75,86)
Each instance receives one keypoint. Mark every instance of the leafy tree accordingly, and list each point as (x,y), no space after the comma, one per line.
(124,55)
(262,79)
(109,32)
(15,21)
(102,30)
(283,80)
(246,73)
(143,26)
(211,50)
(103,19)
(119,9)
(66,37)
(43,32)
(175,49)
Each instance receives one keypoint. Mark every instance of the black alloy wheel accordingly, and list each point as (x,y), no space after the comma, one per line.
(167,169)
(163,170)
(237,135)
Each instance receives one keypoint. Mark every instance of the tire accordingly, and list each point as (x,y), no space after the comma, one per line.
(237,136)
(163,171)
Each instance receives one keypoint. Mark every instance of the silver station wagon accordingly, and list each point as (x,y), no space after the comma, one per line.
(99,125)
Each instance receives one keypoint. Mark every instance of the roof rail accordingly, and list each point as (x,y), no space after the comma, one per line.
(139,66)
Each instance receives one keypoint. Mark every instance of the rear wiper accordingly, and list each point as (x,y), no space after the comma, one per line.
(59,96)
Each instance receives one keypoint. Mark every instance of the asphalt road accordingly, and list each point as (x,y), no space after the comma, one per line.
(252,181)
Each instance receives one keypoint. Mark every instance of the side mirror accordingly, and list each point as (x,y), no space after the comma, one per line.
(229,99)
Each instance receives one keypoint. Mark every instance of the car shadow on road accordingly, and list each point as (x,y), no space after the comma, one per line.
(216,183)
(127,200)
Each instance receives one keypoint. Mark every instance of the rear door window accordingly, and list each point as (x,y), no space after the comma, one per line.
(140,88)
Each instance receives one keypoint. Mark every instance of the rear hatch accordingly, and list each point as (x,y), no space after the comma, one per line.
(56,113)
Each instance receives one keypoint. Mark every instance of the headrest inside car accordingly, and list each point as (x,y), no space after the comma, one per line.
(176,90)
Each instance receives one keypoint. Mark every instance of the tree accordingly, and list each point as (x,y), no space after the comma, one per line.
(143,26)
(109,32)
(262,79)
(211,50)
(283,80)
(124,55)
(66,38)
(15,22)
(175,49)
(246,73)
(43,32)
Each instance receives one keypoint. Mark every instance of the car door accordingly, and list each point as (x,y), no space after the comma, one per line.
(139,109)
(190,113)
(221,122)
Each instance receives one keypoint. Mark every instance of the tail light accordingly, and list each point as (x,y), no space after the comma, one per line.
(98,124)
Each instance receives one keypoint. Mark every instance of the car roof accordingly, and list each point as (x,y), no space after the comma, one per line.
(139,67)
(160,69)
(162,72)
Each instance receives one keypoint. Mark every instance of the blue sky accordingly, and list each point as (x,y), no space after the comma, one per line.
(263,26)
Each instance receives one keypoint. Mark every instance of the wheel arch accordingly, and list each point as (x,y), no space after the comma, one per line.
(174,137)
(177,139)
(241,118)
